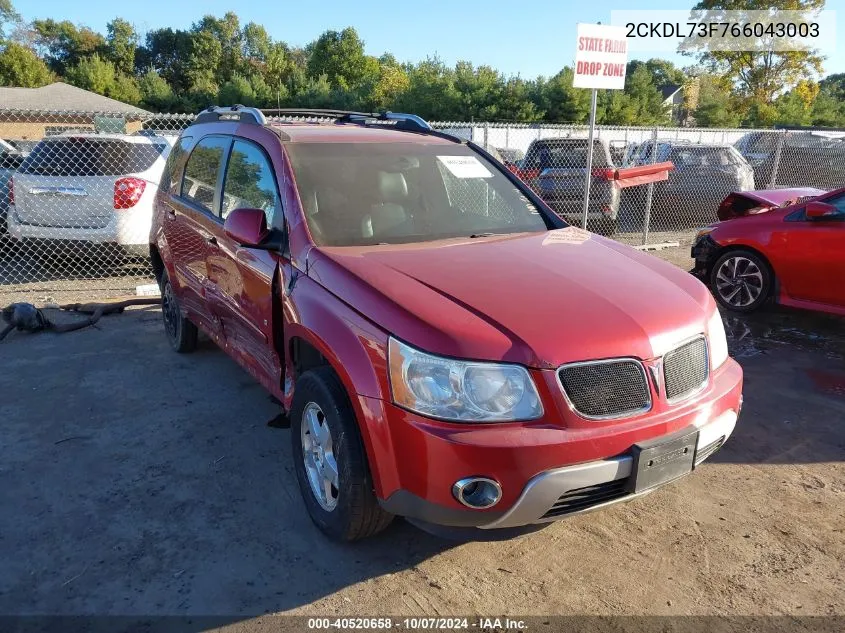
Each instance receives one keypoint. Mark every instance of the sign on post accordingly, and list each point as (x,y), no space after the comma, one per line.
(601,56)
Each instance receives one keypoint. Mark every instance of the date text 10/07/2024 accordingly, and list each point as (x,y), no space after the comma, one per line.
(491,625)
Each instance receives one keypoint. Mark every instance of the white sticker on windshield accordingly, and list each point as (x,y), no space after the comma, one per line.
(465,166)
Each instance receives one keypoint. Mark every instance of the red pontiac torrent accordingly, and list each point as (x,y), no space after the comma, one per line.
(445,347)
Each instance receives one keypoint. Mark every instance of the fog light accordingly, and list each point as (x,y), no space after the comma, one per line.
(477,492)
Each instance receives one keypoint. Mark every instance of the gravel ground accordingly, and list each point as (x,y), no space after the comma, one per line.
(137,481)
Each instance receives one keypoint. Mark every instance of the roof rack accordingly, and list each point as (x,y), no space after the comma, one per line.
(396,120)
(237,112)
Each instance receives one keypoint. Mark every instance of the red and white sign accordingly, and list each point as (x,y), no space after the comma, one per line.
(601,55)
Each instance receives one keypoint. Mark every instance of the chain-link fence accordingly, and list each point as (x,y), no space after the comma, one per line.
(77,188)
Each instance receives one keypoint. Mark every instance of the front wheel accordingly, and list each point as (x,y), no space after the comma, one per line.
(329,459)
(741,280)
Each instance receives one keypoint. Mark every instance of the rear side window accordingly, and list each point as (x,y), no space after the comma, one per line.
(566,154)
(202,169)
(170,181)
(91,157)
(249,181)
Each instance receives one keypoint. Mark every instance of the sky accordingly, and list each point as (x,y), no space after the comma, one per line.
(516,38)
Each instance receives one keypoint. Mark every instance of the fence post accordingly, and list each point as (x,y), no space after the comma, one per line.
(486,133)
(650,194)
(776,162)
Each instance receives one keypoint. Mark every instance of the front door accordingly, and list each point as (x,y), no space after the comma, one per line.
(815,253)
(241,279)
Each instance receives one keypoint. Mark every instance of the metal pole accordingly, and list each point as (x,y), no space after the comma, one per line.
(773,179)
(589,174)
(650,193)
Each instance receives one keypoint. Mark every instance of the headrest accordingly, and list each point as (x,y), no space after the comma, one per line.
(392,186)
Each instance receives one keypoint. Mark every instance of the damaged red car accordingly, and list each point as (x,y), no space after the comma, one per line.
(445,347)
(784,244)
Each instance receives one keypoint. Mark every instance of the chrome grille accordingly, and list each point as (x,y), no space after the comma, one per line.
(587,497)
(685,369)
(606,389)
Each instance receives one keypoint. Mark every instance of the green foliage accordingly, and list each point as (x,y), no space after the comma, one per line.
(218,60)
(121,44)
(759,77)
(715,107)
(20,66)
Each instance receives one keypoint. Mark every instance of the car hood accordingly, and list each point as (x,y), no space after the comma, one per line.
(743,203)
(538,299)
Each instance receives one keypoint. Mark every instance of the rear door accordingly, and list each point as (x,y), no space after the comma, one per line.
(189,217)
(240,291)
(69,182)
(814,263)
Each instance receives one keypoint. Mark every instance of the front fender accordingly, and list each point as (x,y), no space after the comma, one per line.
(357,350)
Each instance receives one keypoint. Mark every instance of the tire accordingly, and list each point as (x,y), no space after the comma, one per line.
(741,280)
(606,226)
(349,510)
(181,333)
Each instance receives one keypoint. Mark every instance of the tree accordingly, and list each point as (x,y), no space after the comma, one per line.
(9,16)
(20,66)
(122,42)
(237,90)
(340,57)
(431,91)
(63,45)
(759,77)
(563,103)
(93,73)
(715,106)
(156,93)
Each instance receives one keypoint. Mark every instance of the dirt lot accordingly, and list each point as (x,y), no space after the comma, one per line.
(138,481)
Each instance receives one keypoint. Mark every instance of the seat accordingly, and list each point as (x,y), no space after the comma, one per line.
(390,213)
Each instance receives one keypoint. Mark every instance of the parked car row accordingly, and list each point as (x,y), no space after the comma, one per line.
(90,187)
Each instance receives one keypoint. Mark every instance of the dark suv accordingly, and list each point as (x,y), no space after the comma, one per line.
(445,347)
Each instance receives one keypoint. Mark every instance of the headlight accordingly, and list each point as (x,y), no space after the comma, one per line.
(702,232)
(717,341)
(460,390)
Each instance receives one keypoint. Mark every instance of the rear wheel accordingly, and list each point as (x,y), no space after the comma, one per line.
(181,333)
(330,462)
(741,280)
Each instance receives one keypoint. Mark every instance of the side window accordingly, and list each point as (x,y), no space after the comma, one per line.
(171,181)
(249,181)
(200,181)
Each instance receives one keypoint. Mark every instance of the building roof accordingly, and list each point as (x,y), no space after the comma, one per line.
(62,97)
(669,90)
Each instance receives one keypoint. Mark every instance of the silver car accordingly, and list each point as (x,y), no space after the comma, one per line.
(96,188)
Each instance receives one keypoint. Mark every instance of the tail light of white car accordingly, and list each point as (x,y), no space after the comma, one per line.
(127,192)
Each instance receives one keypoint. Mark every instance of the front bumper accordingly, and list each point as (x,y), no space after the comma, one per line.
(538,465)
(704,252)
(570,490)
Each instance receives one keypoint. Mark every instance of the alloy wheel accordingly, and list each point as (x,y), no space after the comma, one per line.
(739,281)
(318,455)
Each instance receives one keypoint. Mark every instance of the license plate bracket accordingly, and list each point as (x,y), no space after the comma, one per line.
(660,461)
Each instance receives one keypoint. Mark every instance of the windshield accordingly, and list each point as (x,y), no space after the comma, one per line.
(376,193)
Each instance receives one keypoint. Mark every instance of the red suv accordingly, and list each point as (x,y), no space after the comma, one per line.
(444,346)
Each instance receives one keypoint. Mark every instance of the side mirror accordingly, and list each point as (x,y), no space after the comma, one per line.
(248,227)
(816,210)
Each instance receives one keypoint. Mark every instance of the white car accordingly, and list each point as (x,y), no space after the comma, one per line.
(89,187)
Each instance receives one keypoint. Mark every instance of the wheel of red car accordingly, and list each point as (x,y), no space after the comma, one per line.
(741,280)
(181,333)
(329,459)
